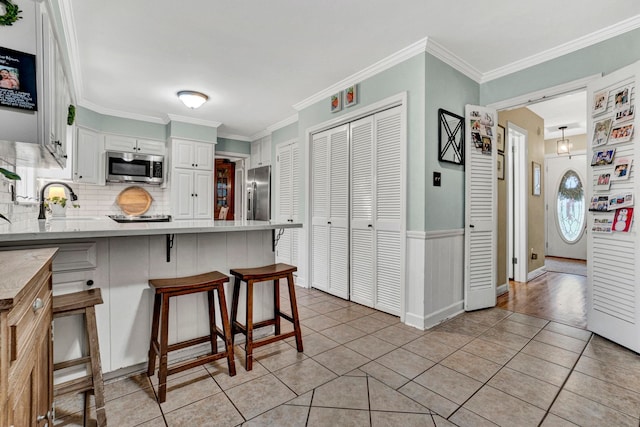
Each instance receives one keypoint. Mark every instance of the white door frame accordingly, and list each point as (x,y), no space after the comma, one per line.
(235,157)
(541,95)
(517,242)
(399,99)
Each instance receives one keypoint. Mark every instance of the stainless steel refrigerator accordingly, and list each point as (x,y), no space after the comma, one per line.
(259,193)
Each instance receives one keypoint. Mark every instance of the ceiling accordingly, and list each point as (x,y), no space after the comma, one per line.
(256,59)
(569,110)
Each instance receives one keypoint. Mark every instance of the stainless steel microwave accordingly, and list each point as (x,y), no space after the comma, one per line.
(130,167)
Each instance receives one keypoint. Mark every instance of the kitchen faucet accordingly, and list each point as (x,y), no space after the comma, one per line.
(72,195)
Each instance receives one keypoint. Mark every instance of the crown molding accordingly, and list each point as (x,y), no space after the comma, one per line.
(402,55)
(282,123)
(233,136)
(71,39)
(564,49)
(194,121)
(436,49)
(122,114)
(259,135)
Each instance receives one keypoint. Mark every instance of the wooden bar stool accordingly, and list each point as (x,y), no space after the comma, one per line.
(164,290)
(83,303)
(273,272)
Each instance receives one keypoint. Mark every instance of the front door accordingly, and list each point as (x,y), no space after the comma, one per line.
(566,206)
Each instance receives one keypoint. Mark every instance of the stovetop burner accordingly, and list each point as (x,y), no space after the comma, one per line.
(141,218)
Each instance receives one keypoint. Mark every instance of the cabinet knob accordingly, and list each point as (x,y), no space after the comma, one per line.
(193,164)
(329,222)
(65,156)
(196,165)
(370,226)
(37,304)
(43,417)
(80,177)
(89,282)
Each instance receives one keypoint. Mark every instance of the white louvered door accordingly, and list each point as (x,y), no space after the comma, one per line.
(389,239)
(362,238)
(320,211)
(339,212)
(357,169)
(613,288)
(288,196)
(330,205)
(480,208)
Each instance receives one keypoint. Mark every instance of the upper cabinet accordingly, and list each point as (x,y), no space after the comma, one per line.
(128,144)
(57,135)
(261,152)
(87,167)
(192,154)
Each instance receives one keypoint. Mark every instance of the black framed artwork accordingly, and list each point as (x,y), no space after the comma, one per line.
(450,137)
(18,80)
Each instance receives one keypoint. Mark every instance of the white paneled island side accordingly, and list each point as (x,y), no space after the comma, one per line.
(121,258)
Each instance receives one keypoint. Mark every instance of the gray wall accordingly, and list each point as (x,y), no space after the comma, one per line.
(233,146)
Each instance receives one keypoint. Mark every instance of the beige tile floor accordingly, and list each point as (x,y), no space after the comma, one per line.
(365,368)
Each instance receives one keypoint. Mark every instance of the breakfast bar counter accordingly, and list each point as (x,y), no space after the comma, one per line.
(121,258)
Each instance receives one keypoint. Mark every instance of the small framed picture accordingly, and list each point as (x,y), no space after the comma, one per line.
(537,178)
(601,132)
(500,139)
(500,166)
(603,182)
(624,115)
(601,158)
(600,102)
(351,96)
(336,102)
(621,133)
(486,145)
(622,98)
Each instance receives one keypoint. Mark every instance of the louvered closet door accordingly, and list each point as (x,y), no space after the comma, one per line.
(388,210)
(296,186)
(613,287)
(284,187)
(320,211)
(362,238)
(339,212)
(480,209)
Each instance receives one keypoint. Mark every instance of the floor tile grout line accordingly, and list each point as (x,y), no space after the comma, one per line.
(565,382)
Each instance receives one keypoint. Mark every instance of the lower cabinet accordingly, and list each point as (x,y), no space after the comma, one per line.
(26,363)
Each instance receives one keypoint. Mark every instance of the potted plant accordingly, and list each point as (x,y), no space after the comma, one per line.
(56,205)
(12,176)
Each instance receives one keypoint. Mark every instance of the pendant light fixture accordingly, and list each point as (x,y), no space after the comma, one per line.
(563,146)
(192,99)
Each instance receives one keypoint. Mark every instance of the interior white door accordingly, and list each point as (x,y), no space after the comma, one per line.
(362,212)
(566,218)
(330,211)
(613,259)
(287,194)
(480,208)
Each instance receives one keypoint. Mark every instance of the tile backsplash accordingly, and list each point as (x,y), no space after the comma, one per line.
(95,200)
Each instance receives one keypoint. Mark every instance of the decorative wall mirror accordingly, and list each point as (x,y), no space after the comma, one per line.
(450,137)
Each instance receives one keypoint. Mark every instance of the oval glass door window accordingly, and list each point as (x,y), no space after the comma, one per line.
(571,207)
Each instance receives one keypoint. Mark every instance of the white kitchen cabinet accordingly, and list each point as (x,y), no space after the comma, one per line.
(261,152)
(87,167)
(288,192)
(129,144)
(192,154)
(192,194)
(57,95)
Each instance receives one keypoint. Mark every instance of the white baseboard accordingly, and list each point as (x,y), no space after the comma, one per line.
(535,273)
(502,289)
(433,319)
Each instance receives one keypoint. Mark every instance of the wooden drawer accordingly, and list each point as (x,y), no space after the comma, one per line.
(28,319)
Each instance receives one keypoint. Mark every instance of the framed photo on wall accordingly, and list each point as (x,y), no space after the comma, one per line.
(500,139)
(18,80)
(536,182)
(500,166)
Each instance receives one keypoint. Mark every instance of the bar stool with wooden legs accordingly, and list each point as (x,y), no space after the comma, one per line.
(273,272)
(83,303)
(164,290)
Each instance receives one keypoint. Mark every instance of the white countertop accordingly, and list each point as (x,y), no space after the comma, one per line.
(90,227)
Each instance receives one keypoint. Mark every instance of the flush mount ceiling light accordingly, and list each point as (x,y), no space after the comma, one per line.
(563,145)
(192,99)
